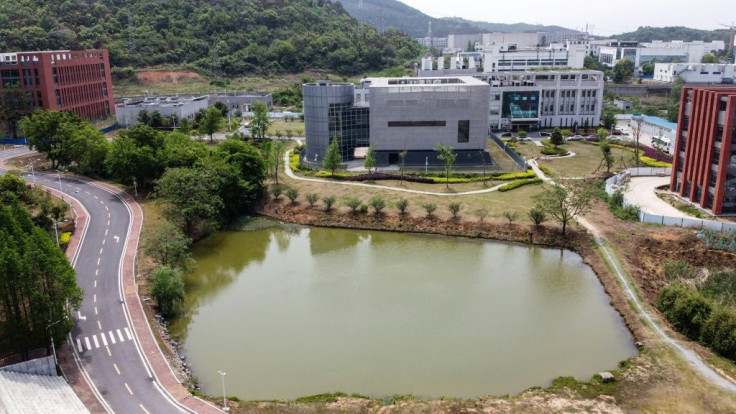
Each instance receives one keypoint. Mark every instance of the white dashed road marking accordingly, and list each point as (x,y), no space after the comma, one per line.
(94,339)
(127,332)
(86,342)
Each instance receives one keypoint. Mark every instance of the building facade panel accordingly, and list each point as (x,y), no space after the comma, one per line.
(77,81)
(704,166)
(416,114)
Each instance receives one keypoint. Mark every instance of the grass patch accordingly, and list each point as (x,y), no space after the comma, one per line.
(328,397)
(588,389)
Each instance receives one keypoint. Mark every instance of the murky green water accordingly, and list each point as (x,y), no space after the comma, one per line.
(290,312)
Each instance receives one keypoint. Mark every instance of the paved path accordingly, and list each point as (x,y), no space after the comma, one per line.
(290,174)
(644,310)
(640,192)
(112,344)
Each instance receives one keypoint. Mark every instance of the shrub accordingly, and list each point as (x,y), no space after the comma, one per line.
(650,162)
(721,286)
(519,183)
(719,332)
(294,160)
(312,199)
(455,209)
(402,205)
(353,203)
(685,308)
(429,208)
(510,216)
(616,206)
(515,176)
(65,237)
(276,190)
(363,208)
(378,204)
(328,202)
(537,216)
(292,193)
(554,151)
(481,213)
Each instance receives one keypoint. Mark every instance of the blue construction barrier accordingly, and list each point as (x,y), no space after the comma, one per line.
(110,128)
(13,141)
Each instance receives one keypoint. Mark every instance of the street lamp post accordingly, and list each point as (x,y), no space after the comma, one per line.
(135,187)
(51,334)
(639,119)
(224,398)
(56,231)
(33,173)
(426,165)
(61,189)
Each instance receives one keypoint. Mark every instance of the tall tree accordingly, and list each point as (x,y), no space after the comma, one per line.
(51,133)
(260,122)
(565,201)
(623,70)
(168,246)
(277,154)
(190,198)
(38,287)
(14,105)
(370,160)
(167,289)
(211,122)
(607,155)
(448,155)
(709,58)
(555,138)
(333,158)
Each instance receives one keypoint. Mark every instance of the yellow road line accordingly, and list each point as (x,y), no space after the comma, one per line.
(128,388)
(144,409)
(116,368)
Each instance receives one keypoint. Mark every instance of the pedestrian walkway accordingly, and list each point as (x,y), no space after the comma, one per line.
(290,174)
(91,342)
(640,192)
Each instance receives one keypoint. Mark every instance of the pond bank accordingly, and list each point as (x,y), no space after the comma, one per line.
(576,239)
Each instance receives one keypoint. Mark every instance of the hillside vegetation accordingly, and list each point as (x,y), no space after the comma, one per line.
(382,14)
(228,37)
(666,34)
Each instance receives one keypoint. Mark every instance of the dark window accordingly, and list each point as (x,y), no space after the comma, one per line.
(463,131)
(416,124)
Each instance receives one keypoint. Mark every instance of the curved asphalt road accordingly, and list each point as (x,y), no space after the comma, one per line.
(103,338)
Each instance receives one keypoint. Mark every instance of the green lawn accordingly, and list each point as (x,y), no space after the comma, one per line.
(585,162)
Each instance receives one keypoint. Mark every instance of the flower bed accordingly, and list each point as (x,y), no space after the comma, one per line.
(519,183)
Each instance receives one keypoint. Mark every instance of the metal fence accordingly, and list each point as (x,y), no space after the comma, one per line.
(687,222)
(615,183)
(510,152)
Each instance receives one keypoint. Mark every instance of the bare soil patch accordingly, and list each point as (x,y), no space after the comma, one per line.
(153,77)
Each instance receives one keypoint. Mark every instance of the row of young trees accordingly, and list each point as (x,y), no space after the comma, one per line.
(38,288)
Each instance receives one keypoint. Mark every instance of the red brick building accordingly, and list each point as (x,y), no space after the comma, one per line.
(704,166)
(62,80)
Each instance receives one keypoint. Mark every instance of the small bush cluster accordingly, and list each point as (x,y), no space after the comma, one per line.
(519,183)
(547,150)
(616,206)
(706,315)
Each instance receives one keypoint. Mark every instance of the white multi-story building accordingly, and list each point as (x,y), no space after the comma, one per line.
(508,57)
(439,42)
(713,73)
(543,99)
(657,51)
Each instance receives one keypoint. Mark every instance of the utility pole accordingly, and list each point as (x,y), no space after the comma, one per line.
(224,398)
(638,119)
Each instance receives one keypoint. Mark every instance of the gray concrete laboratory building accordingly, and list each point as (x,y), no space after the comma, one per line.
(397,114)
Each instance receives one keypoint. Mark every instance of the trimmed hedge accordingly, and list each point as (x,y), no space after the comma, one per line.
(65,237)
(554,151)
(650,162)
(519,183)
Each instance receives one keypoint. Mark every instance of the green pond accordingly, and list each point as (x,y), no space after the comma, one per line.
(292,311)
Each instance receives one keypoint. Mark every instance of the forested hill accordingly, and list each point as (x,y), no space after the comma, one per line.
(666,34)
(507,27)
(393,13)
(231,37)
(382,14)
